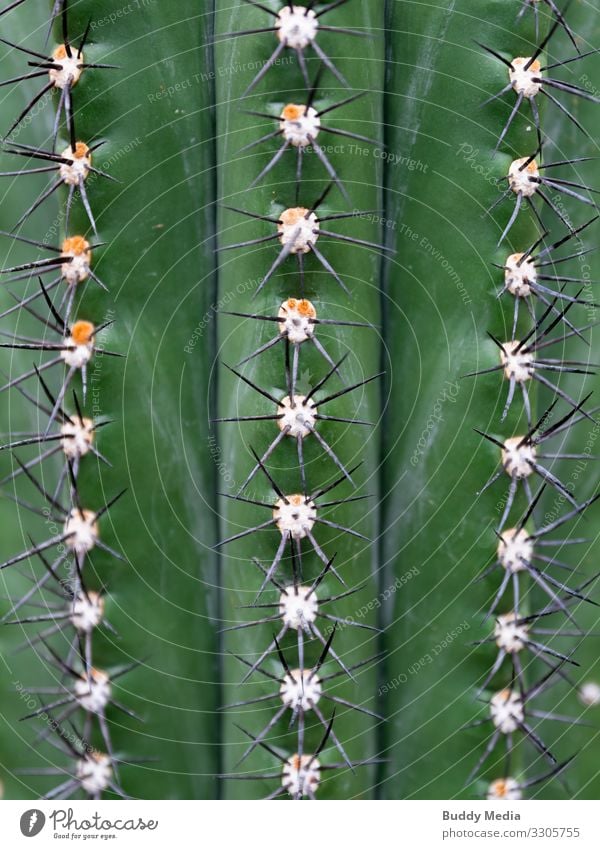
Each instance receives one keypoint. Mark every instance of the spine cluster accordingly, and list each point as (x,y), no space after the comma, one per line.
(531,637)
(290,589)
(65,602)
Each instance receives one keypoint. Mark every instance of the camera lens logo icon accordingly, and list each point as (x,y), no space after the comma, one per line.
(32,822)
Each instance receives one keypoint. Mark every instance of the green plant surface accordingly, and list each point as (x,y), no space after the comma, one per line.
(443,288)
(157,224)
(177,135)
(239,273)
(15,744)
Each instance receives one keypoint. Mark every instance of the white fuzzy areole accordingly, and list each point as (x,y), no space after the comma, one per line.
(94,692)
(94,773)
(77,354)
(519,274)
(87,612)
(298,607)
(78,165)
(523,80)
(296,517)
(589,694)
(82,528)
(300,775)
(300,689)
(296,320)
(516,458)
(511,635)
(78,437)
(300,228)
(299,126)
(523,179)
(70,67)
(300,416)
(77,251)
(504,790)
(297,27)
(515,549)
(518,365)
(507,711)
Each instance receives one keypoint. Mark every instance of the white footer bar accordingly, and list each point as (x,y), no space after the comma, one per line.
(318,825)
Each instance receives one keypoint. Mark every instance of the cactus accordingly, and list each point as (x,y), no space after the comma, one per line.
(447,462)
(162,532)
(298,242)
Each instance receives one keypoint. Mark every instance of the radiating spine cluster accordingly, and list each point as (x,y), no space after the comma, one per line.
(529,549)
(300,609)
(60,567)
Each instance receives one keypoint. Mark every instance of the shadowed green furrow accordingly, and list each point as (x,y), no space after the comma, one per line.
(237,60)
(581,476)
